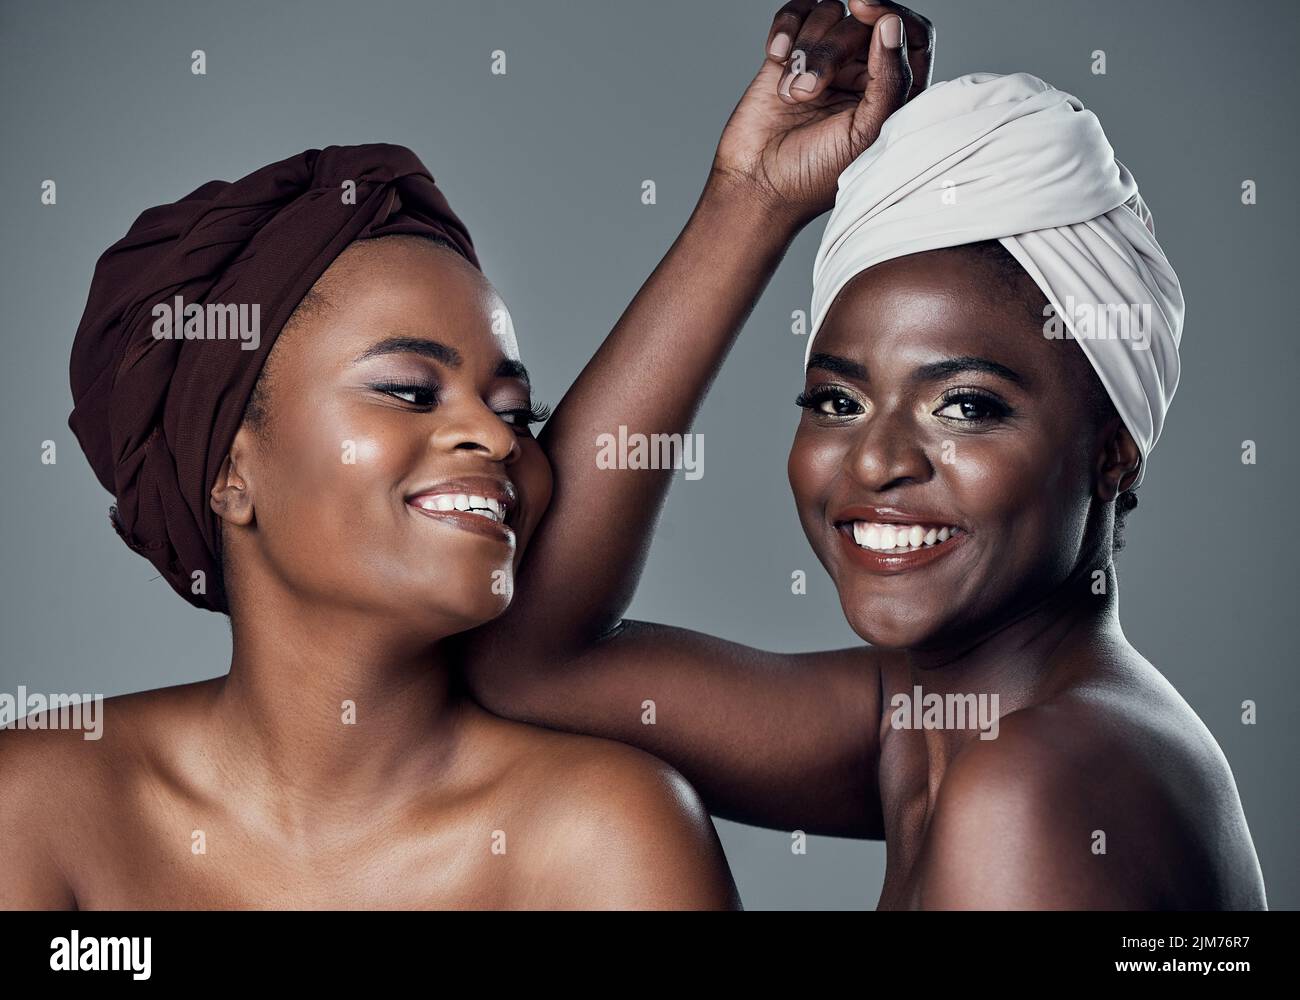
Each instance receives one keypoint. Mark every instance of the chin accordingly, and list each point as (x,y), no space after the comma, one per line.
(436,609)
(889,624)
(471,612)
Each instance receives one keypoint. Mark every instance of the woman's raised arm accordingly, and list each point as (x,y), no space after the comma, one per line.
(772,739)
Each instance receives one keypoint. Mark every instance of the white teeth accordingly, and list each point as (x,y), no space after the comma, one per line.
(488,507)
(899,537)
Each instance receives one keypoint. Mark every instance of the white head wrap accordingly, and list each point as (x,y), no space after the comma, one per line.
(1012,158)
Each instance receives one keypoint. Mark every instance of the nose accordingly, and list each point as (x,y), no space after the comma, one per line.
(472,426)
(889,451)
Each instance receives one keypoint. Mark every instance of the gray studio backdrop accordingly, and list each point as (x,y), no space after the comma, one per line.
(545,165)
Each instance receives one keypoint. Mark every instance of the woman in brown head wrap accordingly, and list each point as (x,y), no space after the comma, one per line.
(309,405)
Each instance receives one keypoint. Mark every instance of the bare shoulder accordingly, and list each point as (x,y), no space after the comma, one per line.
(1112,795)
(61,768)
(56,755)
(94,739)
(607,826)
(50,770)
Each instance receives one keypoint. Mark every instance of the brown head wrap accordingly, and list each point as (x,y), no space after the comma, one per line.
(155,415)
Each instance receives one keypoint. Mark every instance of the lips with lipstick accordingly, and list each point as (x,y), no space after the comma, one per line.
(483,505)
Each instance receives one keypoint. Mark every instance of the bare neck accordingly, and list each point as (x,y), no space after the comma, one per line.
(1028,656)
(323,707)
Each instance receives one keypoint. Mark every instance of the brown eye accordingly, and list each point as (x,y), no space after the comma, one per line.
(971,407)
(829,403)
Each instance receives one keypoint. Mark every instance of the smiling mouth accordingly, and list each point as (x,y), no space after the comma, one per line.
(887,548)
(899,539)
(480,505)
(489,508)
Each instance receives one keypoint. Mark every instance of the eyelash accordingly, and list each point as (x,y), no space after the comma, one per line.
(534,414)
(396,388)
(998,410)
(813,398)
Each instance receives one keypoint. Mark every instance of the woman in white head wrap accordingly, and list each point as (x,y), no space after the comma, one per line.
(993,349)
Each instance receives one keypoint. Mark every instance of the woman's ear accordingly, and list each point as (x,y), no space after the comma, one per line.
(1118,461)
(232,495)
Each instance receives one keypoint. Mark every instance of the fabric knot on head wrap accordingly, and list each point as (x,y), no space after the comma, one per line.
(156,415)
(1011,158)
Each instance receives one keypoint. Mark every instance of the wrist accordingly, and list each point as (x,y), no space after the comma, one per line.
(753,210)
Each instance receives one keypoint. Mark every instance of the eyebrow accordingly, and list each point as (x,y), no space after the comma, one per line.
(437,350)
(509,368)
(968,363)
(926,373)
(837,365)
(440,352)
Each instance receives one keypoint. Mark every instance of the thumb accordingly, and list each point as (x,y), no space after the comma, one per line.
(889,78)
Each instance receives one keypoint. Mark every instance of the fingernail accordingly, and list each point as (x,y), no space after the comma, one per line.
(891,31)
(780,47)
(804,82)
(784,87)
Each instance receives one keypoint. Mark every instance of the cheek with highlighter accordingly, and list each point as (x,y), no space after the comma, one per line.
(328,498)
(1025,501)
(816,459)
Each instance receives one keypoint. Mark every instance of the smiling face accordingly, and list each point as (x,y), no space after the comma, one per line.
(386,466)
(951,466)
